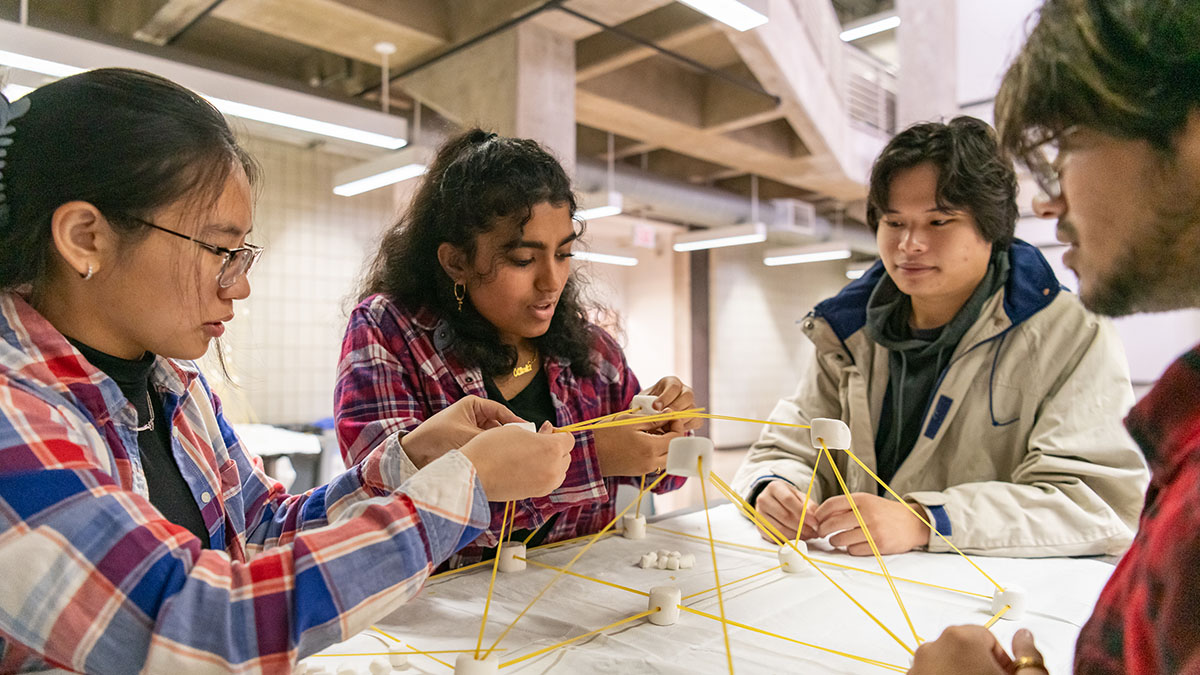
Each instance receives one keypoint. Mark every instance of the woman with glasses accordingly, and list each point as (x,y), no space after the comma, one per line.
(984,394)
(136,535)
(472,293)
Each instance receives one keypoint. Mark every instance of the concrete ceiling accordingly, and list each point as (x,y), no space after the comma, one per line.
(668,118)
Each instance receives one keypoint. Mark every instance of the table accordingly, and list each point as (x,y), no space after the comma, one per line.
(804,607)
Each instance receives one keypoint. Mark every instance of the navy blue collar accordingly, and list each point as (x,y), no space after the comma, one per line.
(1030,288)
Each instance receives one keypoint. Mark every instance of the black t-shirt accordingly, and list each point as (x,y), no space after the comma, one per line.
(532,404)
(169,492)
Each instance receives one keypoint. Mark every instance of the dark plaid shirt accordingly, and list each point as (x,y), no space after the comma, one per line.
(1147,620)
(398,368)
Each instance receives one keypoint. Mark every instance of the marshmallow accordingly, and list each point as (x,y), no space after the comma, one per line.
(649,560)
(673,562)
(633,527)
(835,433)
(380,667)
(527,426)
(644,404)
(665,600)
(346,669)
(662,561)
(398,661)
(683,453)
(686,561)
(511,556)
(466,664)
(793,562)
(1014,598)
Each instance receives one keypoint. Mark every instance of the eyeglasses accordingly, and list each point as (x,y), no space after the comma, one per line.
(1044,161)
(238,261)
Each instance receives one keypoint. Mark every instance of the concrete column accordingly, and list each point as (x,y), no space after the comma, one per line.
(518,83)
(928,46)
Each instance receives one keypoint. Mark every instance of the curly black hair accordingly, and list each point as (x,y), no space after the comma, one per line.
(973,174)
(479,182)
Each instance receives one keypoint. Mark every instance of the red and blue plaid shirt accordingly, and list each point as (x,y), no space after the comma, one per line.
(1147,620)
(96,580)
(399,367)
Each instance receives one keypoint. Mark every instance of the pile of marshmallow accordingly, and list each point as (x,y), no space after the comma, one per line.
(667,560)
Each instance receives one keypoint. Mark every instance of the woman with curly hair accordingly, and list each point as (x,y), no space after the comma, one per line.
(471,292)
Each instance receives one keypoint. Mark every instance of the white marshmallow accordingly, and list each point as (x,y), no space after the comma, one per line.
(662,562)
(380,667)
(527,426)
(792,561)
(1015,599)
(633,527)
(835,433)
(644,404)
(466,664)
(509,554)
(663,553)
(683,453)
(346,669)
(686,561)
(665,600)
(673,562)
(649,560)
(398,661)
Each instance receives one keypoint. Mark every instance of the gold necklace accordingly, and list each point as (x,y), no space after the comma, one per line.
(528,367)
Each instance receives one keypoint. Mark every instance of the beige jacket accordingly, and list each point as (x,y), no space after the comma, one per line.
(1022,450)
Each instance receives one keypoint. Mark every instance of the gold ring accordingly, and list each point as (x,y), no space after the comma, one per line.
(1028,662)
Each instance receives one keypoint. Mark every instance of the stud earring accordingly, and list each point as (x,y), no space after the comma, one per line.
(89,273)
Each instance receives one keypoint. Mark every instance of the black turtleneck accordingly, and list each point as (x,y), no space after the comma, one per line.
(169,493)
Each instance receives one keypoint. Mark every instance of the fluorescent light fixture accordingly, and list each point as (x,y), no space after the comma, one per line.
(834,250)
(382,171)
(36,65)
(718,237)
(613,204)
(282,119)
(606,258)
(48,53)
(868,29)
(853,274)
(738,14)
(15,91)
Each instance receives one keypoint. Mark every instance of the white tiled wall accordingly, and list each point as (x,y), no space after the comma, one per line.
(757,351)
(283,346)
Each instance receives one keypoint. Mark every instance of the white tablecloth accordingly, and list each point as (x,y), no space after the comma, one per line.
(807,607)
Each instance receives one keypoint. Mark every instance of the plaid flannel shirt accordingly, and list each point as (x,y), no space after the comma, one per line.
(1147,619)
(399,367)
(96,580)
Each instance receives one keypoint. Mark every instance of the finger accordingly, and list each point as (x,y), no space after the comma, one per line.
(848,538)
(863,549)
(670,390)
(842,521)
(1023,647)
(832,507)
(547,428)
(482,411)
(780,526)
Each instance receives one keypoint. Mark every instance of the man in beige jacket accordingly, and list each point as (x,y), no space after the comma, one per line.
(971,381)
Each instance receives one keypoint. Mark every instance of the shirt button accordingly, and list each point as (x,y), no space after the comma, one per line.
(470,379)
(205,497)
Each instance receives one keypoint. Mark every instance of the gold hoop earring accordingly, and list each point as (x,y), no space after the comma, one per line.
(89,273)
(460,295)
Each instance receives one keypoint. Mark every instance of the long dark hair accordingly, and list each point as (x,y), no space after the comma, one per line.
(478,182)
(125,141)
